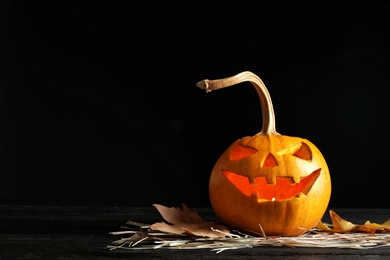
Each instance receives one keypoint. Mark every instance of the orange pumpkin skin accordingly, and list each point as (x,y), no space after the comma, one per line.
(280,208)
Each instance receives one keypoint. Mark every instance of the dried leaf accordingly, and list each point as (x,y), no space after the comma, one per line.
(339,224)
(323,226)
(370,227)
(173,215)
(386,224)
(374,227)
(187,221)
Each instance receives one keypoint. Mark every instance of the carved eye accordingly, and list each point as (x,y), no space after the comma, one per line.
(304,152)
(301,150)
(240,151)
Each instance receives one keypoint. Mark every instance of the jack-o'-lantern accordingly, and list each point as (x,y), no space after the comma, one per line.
(268,184)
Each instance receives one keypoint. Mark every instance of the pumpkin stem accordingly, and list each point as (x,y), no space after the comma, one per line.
(268,114)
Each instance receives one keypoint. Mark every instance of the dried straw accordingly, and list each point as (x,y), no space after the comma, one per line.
(140,236)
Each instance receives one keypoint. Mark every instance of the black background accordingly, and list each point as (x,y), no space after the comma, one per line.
(98,103)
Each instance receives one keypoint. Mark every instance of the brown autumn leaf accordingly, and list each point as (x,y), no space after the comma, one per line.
(370,227)
(341,225)
(187,221)
(386,224)
(323,226)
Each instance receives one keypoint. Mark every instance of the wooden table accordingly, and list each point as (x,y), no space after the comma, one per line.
(55,232)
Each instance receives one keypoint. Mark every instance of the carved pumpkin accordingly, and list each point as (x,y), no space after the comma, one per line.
(268,184)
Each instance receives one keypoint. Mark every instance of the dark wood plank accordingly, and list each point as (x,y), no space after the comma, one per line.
(51,232)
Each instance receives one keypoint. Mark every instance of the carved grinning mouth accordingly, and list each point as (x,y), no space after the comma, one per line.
(284,188)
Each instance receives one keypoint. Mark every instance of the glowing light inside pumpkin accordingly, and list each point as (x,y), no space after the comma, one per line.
(283,189)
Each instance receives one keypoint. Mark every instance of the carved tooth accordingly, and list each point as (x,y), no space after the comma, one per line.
(296,179)
(271,179)
(251,180)
(255,196)
(300,195)
(259,200)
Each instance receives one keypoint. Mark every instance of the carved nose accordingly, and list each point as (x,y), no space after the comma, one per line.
(269,161)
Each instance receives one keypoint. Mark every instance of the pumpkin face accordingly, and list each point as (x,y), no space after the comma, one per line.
(280,183)
(268,184)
